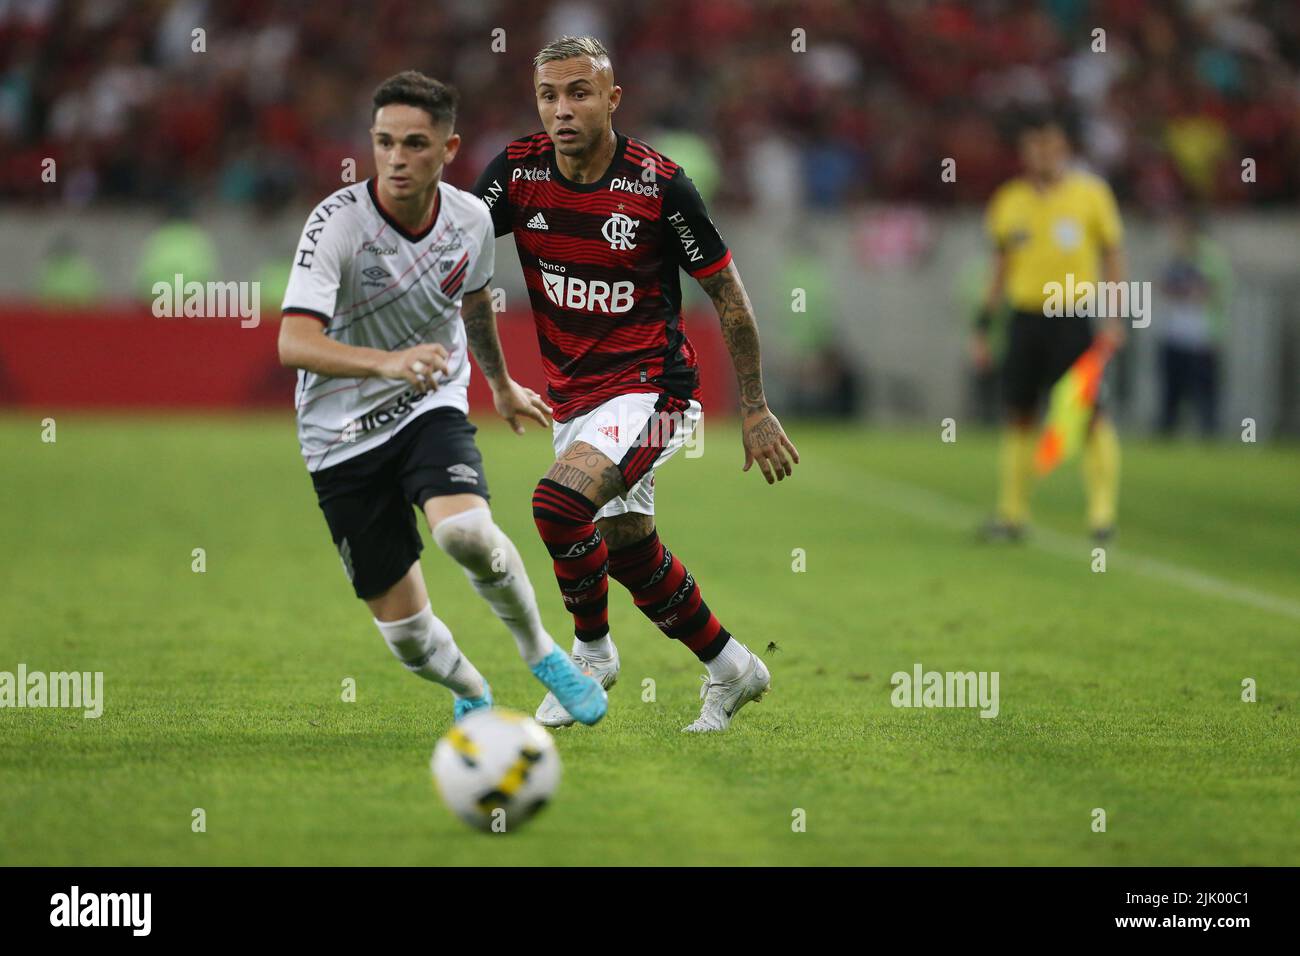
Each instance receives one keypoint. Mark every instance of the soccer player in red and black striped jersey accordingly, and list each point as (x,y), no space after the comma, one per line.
(602,223)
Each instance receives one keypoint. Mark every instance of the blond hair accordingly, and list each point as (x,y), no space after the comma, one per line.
(566,48)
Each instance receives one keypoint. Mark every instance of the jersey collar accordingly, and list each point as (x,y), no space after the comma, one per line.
(397,226)
(600,183)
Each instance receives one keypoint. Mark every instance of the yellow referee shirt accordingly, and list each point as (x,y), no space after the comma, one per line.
(1047,234)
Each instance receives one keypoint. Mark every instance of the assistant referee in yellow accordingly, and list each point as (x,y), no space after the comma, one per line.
(1051,222)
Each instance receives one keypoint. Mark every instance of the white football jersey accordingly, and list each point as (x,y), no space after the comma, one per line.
(373,284)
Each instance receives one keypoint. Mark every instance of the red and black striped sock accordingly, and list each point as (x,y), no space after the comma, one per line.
(667,594)
(566,520)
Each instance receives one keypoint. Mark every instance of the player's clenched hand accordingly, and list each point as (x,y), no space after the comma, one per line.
(765,443)
(514,402)
(416,365)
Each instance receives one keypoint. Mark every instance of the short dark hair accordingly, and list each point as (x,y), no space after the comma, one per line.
(413,88)
(1041,117)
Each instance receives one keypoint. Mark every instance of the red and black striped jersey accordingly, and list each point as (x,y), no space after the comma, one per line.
(600,260)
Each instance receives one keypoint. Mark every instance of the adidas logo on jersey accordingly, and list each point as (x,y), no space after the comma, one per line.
(464,473)
(538,222)
(609,431)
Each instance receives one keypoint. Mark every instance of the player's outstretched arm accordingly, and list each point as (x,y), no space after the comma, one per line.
(303,344)
(512,400)
(764,438)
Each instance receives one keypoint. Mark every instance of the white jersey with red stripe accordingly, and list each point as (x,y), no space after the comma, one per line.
(372,283)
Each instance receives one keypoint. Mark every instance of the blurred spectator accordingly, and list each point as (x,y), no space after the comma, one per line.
(970,290)
(180,246)
(272,275)
(806,290)
(818,378)
(1197,285)
(691,152)
(67,277)
(828,385)
(878,95)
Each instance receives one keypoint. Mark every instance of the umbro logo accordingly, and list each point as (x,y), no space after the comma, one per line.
(463,473)
(538,222)
(376,272)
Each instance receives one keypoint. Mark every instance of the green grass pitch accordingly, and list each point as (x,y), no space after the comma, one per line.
(1119,690)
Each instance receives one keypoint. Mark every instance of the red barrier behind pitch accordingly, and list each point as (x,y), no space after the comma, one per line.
(122,357)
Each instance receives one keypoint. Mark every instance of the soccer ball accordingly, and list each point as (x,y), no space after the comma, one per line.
(496,768)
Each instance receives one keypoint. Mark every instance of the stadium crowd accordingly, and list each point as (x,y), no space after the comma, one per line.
(264,105)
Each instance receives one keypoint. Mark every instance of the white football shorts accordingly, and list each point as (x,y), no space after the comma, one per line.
(638,432)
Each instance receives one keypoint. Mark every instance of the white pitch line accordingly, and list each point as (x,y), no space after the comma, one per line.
(939,509)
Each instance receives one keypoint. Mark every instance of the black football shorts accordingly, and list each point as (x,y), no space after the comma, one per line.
(1040,349)
(369,501)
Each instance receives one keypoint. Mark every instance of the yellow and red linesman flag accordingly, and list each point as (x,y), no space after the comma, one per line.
(1073,398)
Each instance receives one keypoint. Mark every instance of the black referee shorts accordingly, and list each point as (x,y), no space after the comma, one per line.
(1040,349)
(368,500)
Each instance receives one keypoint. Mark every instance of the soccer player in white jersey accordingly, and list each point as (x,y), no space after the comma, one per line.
(372,319)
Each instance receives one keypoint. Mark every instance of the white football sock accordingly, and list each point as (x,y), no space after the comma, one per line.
(493,565)
(425,647)
(599,650)
(730,663)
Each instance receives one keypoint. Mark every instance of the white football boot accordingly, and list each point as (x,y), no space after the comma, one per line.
(723,698)
(551,712)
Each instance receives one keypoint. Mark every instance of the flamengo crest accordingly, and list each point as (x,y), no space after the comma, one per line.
(619,230)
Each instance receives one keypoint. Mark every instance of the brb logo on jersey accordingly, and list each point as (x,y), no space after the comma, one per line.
(619,231)
(570,292)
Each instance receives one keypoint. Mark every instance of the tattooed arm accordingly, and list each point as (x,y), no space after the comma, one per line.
(511,399)
(764,440)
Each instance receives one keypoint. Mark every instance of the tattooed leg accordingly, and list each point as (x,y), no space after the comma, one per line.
(584,469)
(565,503)
(619,531)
